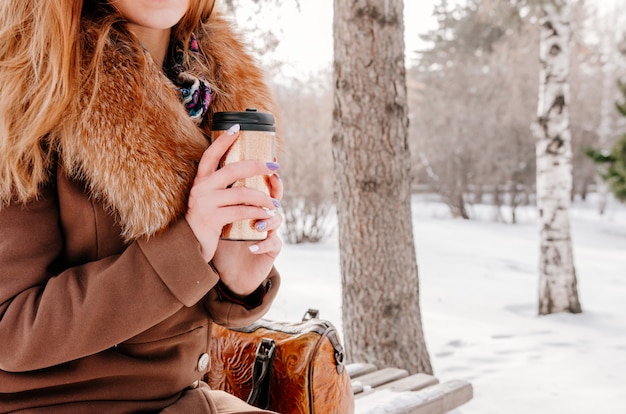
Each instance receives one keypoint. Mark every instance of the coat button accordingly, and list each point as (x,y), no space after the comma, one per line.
(203,362)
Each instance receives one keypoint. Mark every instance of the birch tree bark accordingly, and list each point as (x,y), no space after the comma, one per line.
(381,314)
(557,279)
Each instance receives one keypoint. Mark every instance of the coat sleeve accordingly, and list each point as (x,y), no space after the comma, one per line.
(237,313)
(49,317)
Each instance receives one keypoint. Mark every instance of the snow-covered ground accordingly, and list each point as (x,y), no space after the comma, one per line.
(478,292)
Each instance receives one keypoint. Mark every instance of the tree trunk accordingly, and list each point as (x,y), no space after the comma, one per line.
(381,314)
(557,279)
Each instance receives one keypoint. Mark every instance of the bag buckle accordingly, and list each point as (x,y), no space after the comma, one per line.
(310,314)
(261,373)
(266,350)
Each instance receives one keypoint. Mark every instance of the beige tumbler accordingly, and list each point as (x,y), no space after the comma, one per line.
(256,141)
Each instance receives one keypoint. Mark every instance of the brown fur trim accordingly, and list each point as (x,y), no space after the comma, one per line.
(134,145)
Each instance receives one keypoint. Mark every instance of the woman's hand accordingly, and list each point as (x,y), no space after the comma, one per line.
(213,204)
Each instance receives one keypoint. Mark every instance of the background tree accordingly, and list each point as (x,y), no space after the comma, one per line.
(381,314)
(613,163)
(557,277)
(473,93)
(262,34)
(611,63)
(587,101)
(306,158)
(470,101)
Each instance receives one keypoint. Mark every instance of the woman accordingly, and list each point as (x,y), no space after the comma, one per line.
(111,264)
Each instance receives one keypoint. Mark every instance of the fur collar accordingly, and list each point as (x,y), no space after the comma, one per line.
(134,145)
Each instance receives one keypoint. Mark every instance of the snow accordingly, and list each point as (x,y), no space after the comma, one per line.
(478,293)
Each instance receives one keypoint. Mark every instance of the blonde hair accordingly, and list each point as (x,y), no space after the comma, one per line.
(40,75)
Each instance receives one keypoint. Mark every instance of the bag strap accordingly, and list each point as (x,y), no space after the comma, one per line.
(332,336)
(261,374)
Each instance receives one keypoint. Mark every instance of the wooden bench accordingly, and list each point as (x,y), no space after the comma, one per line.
(394,391)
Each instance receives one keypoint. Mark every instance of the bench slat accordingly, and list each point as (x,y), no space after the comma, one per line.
(411,383)
(436,399)
(377,378)
(457,393)
(443,397)
(356,370)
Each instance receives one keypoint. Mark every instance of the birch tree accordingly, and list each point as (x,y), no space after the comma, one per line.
(381,314)
(557,277)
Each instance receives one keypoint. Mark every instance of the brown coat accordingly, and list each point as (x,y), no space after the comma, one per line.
(106,303)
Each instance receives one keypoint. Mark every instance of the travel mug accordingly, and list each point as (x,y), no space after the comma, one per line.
(256,141)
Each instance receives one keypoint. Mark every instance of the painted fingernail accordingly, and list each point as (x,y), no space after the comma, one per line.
(276,203)
(272,166)
(269,212)
(233,129)
(254,248)
(260,225)
(278,176)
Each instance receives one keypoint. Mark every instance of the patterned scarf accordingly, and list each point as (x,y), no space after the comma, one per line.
(196,94)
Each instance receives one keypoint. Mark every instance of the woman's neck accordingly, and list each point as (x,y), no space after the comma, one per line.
(156,41)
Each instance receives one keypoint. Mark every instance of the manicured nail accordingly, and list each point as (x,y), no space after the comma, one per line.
(254,248)
(269,212)
(278,176)
(260,225)
(276,203)
(272,166)
(233,130)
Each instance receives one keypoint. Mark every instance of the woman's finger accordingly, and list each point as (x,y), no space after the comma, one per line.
(230,214)
(276,186)
(271,246)
(211,158)
(240,170)
(202,193)
(269,224)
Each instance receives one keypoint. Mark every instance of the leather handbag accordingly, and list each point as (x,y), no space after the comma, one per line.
(290,368)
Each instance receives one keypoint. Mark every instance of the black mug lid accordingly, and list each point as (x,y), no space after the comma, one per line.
(250,120)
